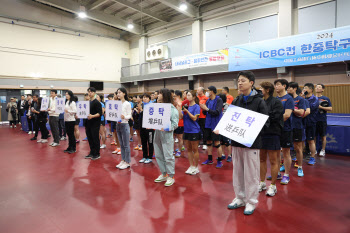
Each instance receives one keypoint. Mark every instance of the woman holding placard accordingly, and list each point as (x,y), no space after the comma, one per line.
(164,142)
(69,119)
(191,131)
(246,161)
(123,129)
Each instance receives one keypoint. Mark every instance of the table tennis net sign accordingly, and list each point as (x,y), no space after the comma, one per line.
(157,116)
(83,109)
(241,125)
(114,110)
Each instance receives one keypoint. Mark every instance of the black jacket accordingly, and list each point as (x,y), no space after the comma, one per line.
(254,103)
(275,110)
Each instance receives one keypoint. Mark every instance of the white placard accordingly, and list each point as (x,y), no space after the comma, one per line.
(113,110)
(83,109)
(241,125)
(60,104)
(44,103)
(156,116)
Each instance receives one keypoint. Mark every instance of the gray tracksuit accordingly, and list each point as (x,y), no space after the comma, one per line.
(164,145)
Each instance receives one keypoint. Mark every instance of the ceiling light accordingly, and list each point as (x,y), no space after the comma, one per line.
(82,15)
(183,6)
(130,25)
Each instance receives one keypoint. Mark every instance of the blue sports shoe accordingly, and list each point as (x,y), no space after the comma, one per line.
(207,162)
(300,172)
(229,159)
(282,169)
(219,164)
(285,180)
(223,157)
(294,159)
(312,161)
(279,177)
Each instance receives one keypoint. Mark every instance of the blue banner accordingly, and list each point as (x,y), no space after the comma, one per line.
(331,45)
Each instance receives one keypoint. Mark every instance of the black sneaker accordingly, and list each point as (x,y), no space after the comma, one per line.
(32,139)
(96,158)
(72,151)
(88,157)
(66,151)
(49,135)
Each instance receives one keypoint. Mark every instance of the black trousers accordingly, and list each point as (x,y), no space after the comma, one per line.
(147,136)
(72,144)
(36,127)
(30,124)
(201,122)
(92,133)
(42,126)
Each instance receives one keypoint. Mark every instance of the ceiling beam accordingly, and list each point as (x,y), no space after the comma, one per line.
(191,11)
(96,4)
(142,10)
(110,20)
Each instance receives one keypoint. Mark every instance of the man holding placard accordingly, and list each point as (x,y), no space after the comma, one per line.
(245,125)
(53,118)
(93,125)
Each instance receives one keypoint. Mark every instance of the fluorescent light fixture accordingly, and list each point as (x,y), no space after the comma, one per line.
(183,6)
(82,15)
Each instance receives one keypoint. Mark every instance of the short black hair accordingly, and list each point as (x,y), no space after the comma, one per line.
(86,94)
(147,95)
(23,95)
(92,89)
(110,96)
(248,74)
(323,86)
(293,85)
(282,82)
(29,95)
(178,93)
(226,89)
(141,96)
(223,97)
(157,92)
(36,95)
(134,96)
(172,91)
(298,91)
(310,85)
(213,89)
(54,91)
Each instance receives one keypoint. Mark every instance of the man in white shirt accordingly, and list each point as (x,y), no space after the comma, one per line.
(53,118)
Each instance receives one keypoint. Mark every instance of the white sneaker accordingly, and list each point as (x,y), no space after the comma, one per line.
(120,164)
(119,152)
(205,147)
(271,191)
(15,126)
(51,144)
(33,132)
(40,140)
(169,181)
(135,133)
(44,141)
(103,146)
(189,170)
(62,138)
(195,171)
(176,140)
(160,178)
(10,126)
(262,186)
(55,144)
(322,153)
(249,209)
(236,203)
(142,160)
(124,166)
(148,161)
(30,132)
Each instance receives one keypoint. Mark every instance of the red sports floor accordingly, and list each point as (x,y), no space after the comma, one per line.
(46,190)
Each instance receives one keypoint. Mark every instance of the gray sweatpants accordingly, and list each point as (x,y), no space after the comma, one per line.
(53,121)
(163,148)
(246,174)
